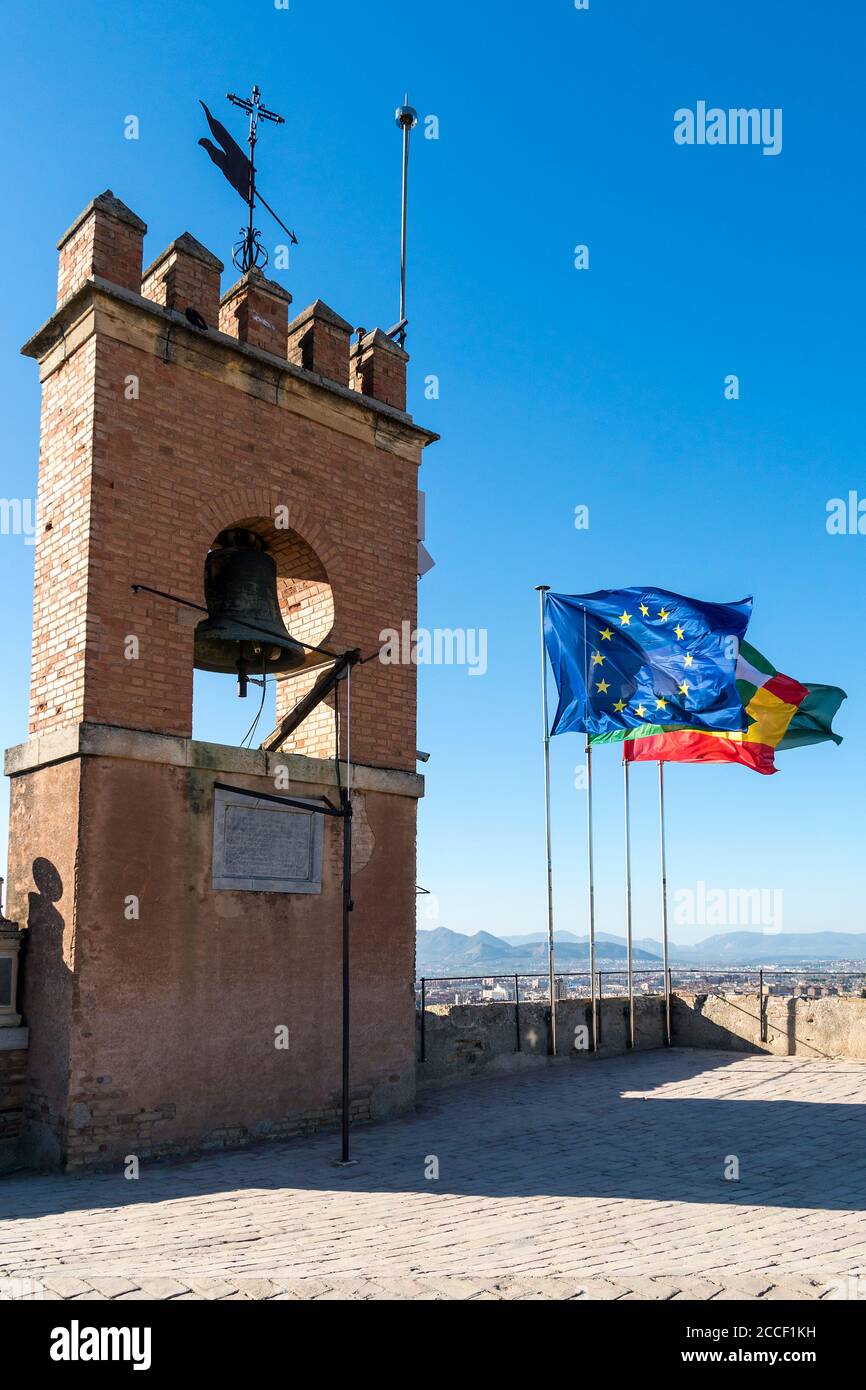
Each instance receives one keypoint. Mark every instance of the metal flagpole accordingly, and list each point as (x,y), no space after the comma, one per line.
(591,880)
(542,589)
(625,768)
(664,904)
(592,974)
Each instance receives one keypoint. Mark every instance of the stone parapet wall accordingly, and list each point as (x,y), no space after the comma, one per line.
(831,1027)
(462,1041)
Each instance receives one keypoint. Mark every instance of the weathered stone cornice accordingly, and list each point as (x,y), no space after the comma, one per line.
(139,745)
(119,314)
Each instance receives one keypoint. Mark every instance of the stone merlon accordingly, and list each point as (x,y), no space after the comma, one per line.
(103,247)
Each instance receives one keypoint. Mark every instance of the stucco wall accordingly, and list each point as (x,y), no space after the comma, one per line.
(42,897)
(156,1034)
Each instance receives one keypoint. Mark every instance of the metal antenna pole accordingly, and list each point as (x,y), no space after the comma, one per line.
(664,873)
(541,590)
(407,118)
(625,768)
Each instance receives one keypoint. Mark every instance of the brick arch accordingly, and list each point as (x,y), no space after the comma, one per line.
(306,559)
(228,508)
(304,586)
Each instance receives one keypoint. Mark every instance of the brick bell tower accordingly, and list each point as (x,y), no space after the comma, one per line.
(180,982)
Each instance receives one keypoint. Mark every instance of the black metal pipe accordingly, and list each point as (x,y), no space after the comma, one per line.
(669,1030)
(327,809)
(423,1019)
(517,1010)
(347,908)
(763,1012)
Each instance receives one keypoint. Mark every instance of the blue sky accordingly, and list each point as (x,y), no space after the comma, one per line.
(558,387)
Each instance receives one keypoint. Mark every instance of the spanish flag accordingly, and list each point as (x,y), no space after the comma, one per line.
(783,713)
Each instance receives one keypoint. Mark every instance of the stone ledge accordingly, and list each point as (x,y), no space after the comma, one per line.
(14,1039)
(138,745)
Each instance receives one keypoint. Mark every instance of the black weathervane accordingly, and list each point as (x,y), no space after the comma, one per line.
(240,170)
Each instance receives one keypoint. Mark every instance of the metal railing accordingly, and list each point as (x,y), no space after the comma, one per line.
(514,979)
(715,982)
(856,979)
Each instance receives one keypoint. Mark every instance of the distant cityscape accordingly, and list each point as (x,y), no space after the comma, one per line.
(483,968)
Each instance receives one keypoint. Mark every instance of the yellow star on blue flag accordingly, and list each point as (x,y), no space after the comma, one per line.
(644,632)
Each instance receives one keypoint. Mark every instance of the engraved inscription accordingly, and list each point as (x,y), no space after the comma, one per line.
(263,846)
(267,844)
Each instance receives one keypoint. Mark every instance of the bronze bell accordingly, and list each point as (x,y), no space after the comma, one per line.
(244,632)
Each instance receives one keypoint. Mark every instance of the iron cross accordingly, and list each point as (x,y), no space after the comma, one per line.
(256,112)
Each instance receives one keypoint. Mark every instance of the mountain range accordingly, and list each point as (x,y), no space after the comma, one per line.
(445,952)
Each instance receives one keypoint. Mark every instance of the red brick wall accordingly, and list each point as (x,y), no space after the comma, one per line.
(307,603)
(257,316)
(321,348)
(379,372)
(169,471)
(183,282)
(103,246)
(13,1077)
(62,544)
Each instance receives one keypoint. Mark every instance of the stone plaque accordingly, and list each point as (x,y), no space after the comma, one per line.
(264,847)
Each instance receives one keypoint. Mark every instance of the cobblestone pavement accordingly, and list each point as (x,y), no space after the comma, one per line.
(597,1180)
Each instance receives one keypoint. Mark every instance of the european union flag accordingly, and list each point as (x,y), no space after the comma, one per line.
(626,657)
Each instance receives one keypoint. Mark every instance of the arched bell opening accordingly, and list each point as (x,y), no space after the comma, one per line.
(269,605)
(307,601)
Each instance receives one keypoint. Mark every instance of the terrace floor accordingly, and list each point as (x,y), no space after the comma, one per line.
(596,1180)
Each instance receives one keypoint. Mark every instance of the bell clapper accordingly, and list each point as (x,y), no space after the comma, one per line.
(243,667)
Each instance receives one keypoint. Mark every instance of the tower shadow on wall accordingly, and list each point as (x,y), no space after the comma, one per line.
(46,979)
